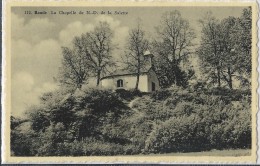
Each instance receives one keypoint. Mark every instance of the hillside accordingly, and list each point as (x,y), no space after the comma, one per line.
(103,122)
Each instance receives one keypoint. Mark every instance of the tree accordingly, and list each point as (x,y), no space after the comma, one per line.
(209,51)
(225,49)
(137,44)
(173,46)
(242,39)
(90,56)
(99,47)
(74,71)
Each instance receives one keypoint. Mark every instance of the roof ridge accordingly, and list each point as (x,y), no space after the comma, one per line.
(125,74)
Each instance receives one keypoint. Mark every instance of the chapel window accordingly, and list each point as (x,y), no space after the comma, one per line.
(120,83)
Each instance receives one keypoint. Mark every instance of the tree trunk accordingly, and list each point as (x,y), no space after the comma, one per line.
(138,72)
(98,77)
(230,78)
(137,79)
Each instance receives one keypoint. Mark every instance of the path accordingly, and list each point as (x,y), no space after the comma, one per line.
(137,112)
(130,104)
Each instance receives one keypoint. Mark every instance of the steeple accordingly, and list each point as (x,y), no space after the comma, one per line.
(148,59)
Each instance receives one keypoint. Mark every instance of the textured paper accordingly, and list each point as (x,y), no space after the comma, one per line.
(129,7)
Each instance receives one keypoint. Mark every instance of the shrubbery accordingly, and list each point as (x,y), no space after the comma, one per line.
(161,94)
(178,134)
(99,122)
(234,95)
(128,94)
(198,122)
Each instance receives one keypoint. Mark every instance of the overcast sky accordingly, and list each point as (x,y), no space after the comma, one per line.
(36,40)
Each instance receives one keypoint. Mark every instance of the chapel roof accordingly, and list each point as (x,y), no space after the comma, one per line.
(123,72)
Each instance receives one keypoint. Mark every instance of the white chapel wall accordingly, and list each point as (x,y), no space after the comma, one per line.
(152,77)
(129,82)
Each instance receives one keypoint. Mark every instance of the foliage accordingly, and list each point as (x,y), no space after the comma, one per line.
(213,125)
(24,141)
(97,122)
(225,49)
(172,46)
(234,95)
(169,74)
(101,100)
(128,94)
(161,94)
(134,57)
(90,56)
(180,118)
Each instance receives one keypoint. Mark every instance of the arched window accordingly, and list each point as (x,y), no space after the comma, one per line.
(120,83)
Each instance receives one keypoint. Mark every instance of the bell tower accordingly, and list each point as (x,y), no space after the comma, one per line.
(148,59)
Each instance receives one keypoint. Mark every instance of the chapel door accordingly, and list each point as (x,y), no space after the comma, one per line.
(153,86)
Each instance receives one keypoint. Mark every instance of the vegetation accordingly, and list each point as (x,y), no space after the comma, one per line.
(100,122)
(181,117)
(224,52)
(223,55)
(89,57)
(137,44)
(172,47)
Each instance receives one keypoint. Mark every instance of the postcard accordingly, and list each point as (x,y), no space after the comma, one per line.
(129,82)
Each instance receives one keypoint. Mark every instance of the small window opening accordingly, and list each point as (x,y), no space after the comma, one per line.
(120,83)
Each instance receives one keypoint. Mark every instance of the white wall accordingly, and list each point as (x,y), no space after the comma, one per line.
(129,82)
(152,77)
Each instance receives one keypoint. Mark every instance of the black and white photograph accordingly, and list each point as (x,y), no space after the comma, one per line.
(132,81)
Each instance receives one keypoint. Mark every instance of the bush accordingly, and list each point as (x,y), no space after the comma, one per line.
(128,94)
(232,94)
(100,101)
(97,122)
(179,134)
(131,149)
(210,124)
(161,94)
(199,86)
(24,143)
(184,109)
(94,147)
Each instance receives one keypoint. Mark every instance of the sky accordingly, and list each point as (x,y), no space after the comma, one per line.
(36,40)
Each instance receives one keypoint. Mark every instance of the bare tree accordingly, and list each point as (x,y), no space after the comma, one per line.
(137,44)
(90,56)
(173,44)
(99,47)
(74,71)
